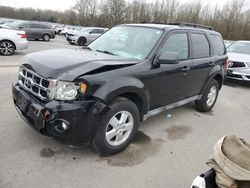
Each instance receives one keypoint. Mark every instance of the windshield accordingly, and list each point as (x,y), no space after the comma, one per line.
(240,47)
(127,42)
(14,24)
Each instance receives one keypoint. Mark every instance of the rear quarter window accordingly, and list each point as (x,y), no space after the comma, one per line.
(44,27)
(200,45)
(217,44)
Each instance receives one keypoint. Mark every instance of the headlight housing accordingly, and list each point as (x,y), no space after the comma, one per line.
(68,91)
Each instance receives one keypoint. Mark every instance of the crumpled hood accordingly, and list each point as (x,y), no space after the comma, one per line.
(68,64)
(238,57)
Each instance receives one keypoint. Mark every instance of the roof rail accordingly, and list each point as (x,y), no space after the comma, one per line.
(191,25)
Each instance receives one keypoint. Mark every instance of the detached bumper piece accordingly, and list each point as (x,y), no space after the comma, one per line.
(74,122)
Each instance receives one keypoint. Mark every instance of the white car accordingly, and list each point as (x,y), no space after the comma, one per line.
(239,61)
(85,35)
(11,40)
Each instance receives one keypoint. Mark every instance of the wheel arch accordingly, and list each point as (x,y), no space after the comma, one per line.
(219,78)
(46,34)
(216,76)
(132,93)
(9,41)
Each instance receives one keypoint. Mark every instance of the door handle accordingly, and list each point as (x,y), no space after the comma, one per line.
(186,69)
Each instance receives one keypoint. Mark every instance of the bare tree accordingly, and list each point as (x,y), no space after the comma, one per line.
(232,20)
(116,11)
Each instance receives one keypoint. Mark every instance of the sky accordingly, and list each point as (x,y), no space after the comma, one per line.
(62,5)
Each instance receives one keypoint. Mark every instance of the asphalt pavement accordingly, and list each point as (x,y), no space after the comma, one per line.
(169,151)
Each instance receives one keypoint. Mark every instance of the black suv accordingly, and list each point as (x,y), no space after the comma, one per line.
(98,94)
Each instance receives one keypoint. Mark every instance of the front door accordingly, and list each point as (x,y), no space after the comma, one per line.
(169,83)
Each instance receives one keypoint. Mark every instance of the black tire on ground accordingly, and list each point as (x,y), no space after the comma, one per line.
(210,92)
(82,42)
(46,37)
(7,48)
(101,143)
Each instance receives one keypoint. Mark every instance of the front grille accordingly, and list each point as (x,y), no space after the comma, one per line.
(32,82)
(235,64)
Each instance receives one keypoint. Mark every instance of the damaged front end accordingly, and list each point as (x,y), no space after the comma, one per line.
(72,121)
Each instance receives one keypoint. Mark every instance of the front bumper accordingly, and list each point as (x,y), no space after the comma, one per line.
(239,74)
(72,39)
(81,117)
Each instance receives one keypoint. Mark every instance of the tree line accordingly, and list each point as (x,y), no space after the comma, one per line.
(232,20)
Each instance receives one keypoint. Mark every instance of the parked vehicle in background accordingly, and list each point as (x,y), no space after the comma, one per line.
(85,35)
(12,40)
(228,42)
(70,29)
(58,29)
(3,22)
(34,30)
(100,93)
(239,61)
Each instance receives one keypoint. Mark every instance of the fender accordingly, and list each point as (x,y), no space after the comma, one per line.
(125,85)
(216,71)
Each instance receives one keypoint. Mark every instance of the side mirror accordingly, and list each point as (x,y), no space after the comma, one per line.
(168,58)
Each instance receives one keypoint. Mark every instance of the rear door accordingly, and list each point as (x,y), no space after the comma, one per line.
(202,62)
(36,31)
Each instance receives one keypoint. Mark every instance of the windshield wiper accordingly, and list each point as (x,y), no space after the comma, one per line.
(106,52)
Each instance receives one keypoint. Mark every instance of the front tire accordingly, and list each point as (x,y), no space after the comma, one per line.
(82,42)
(7,48)
(209,97)
(117,128)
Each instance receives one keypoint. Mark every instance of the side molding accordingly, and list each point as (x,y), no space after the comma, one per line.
(171,106)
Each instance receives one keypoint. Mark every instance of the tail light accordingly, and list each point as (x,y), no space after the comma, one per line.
(226,63)
(22,35)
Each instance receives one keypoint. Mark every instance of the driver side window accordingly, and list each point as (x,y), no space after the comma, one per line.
(177,43)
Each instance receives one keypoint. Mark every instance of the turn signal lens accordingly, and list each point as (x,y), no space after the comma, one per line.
(83,87)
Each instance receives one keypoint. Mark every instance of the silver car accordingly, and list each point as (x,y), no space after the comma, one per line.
(85,35)
(239,61)
(11,40)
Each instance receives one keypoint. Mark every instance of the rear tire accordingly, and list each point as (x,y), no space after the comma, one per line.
(7,48)
(117,127)
(46,37)
(82,42)
(209,97)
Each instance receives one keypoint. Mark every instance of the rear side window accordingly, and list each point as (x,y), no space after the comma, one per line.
(25,25)
(44,26)
(200,45)
(101,31)
(217,44)
(35,26)
(94,31)
(177,43)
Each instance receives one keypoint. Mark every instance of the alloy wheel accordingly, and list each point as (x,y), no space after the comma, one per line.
(211,96)
(7,48)
(119,128)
